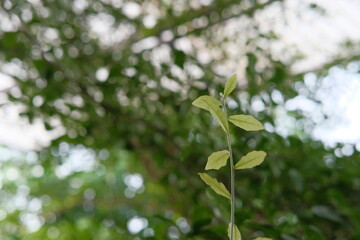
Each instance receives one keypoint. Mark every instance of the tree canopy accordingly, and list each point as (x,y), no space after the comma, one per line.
(114,81)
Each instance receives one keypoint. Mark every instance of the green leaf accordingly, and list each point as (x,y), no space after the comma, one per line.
(237,234)
(218,187)
(202,102)
(217,160)
(246,122)
(262,238)
(230,85)
(219,116)
(250,160)
(212,105)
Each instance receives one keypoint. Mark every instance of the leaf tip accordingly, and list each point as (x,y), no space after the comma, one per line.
(230,85)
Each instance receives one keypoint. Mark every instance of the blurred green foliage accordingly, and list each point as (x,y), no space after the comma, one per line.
(121,86)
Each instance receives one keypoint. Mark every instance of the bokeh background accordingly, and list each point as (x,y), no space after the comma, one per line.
(99,139)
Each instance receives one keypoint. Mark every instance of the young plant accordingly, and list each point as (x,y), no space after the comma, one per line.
(219,159)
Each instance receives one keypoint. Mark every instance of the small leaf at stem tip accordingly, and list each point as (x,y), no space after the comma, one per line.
(217,160)
(246,122)
(263,238)
(201,102)
(230,85)
(237,234)
(250,160)
(218,187)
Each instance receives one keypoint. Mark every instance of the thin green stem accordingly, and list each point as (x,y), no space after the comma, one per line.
(232,176)
(232,200)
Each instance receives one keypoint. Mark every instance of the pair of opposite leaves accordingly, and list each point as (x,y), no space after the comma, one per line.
(219,159)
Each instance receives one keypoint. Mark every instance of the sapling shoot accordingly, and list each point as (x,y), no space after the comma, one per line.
(216,160)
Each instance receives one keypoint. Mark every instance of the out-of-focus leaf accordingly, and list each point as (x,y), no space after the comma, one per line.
(48,126)
(217,160)
(218,187)
(179,58)
(327,213)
